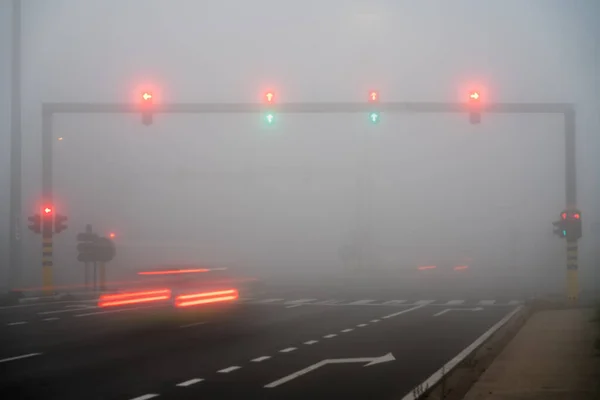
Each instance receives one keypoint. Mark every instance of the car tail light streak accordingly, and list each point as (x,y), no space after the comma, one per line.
(109,300)
(186,300)
(426,267)
(174,271)
(461,267)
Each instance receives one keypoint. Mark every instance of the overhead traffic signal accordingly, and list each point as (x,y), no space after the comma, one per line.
(474,104)
(60,223)
(374,116)
(269,101)
(147,107)
(35,223)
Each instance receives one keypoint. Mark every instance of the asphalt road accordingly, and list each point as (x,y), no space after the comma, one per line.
(284,343)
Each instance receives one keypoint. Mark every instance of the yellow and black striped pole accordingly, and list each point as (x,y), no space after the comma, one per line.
(572,269)
(47,280)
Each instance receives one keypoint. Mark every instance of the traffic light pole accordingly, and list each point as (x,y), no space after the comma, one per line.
(565,109)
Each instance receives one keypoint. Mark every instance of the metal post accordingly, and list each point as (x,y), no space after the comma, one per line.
(15,245)
(47,281)
(571,200)
(572,267)
(102,271)
(47,155)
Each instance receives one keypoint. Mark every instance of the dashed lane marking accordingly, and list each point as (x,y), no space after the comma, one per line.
(424,302)
(69,310)
(393,302)
(454,302)
(193,324)
(347,330)
(311,342)
(189,382)
(3,360)
(229,369)
(375,320)
(361,325)
(299,301)
(146,396)
(51,319)
(17,323)
(360,302)
(115,311)
(260,359)
(331,335)
(403,311)
(287,350)
(266,301)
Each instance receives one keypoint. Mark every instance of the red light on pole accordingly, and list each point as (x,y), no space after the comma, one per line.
(147,103)
(576,215)
(269,97)
(112,235)
(474,96)
(147,96)
(373,96)
(47,210)
(563,215)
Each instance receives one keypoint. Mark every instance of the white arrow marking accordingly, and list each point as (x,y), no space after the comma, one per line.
(457,309)
(368,360)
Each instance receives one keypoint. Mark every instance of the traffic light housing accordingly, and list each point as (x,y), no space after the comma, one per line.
(35,223)
(147,106)
(269,101)
(474,104)
(560,228)
(47,221)
(60,223)
(569,225)
(374,116)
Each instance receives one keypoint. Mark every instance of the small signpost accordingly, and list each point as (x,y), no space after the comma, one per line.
(97,251)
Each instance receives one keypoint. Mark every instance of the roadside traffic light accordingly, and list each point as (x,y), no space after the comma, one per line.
(147,106)
(47,221)
(35,223)
(60,223)
(559,228)
(474,107)
(374,116)
(569,225)
(269,101)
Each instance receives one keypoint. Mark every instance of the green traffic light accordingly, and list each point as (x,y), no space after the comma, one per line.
(374,117)
(270,118)
(564,233)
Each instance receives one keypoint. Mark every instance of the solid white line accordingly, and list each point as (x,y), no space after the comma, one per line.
(311,342)
(454,302)
(403,312)
(146,396)
(331,335)
(113,311)
(359,302)
(17,323)
(347,330)
(287,350)
(229,369)
(190,382)
(441,312)
(19,357)
(487,302)
(294,306)
(361,325)
(66,311)
(260,359)
(392,302)
(375,320)
(438,375)
(424,302)
(194,324)
(51,319)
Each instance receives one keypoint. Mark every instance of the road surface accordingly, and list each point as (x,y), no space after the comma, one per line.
(284,343)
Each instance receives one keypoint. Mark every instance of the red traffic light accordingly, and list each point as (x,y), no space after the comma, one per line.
(563,215)
(474,96)
(373,96)
(269,97)
(147,96)
(47,210)
(576,215)
(112,235)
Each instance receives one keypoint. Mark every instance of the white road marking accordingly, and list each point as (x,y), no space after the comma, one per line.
(146,396)
(294,306)
(454,302)
(331,335)
(287,350)
(17,323)
(424,302)
(359,302)
(112,311)
(311,342)
(261,359)
(193,324)
(487,302)
(19,357)
(361,325)
(44,304)
(403,312)
(439,374)
(299,301)
(66,311)
(456,309)
(329,302)
(268,301)
(189,382)
(51,319)
(375,320)
(392,302)
(347,330)
(229,369)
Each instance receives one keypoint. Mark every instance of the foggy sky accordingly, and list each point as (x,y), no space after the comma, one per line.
(228,190)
